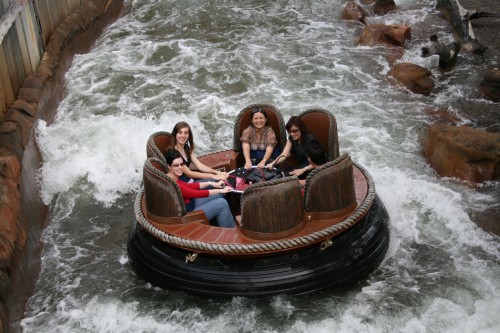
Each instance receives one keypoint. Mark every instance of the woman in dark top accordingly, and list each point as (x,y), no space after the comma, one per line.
(296,144)
(182,141)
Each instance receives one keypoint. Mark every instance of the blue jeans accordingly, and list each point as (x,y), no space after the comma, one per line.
(216,206)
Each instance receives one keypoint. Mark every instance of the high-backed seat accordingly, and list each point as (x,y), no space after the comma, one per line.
(272,209)
(157,144)
(163,200)
(243,120)
(330,187)
(322,124)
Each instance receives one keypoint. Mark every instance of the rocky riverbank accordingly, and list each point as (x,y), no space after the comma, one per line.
(22,213)
(469,153)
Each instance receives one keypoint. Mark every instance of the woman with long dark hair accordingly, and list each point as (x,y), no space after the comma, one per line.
(297,143)
(197,196)
(183,142)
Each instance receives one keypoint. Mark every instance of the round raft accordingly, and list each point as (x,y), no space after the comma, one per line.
(332,233)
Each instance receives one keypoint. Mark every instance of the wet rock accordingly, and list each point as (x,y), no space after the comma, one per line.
(25,107)
(353,12)
(10,171)
(382,7)
(10,138)
(488,220)
(470,154)
(490,85)
(382,34)
(30,95)
(472,46)
(35,80)
(443,116)
(416,78)
(447,53)
(25,122)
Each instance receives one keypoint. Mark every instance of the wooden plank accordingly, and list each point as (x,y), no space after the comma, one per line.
(22,45)
(4,4)
(8,19)
(7,92)
(45,20)
(30,30)
(16,69)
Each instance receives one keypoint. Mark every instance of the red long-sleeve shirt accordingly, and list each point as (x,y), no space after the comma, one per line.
(191,191)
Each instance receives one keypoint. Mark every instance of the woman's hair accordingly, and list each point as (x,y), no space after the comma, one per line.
(297,122)
(258,110)
(172,154)
(180,125)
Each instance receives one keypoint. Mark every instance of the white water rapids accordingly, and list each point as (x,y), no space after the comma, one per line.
(202,62)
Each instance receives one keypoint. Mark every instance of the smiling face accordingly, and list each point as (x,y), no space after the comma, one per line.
(182,136)
(259,120)
(176,166)
(295,133)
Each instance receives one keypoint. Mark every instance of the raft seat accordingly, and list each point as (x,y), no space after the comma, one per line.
(329,190)
(322,124)
(157,144)
(271,210)
(162,199)
(243,120)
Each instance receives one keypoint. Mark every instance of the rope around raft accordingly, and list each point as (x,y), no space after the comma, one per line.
(260,247)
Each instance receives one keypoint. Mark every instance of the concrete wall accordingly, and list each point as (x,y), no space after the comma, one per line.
(35,95)
(25,29)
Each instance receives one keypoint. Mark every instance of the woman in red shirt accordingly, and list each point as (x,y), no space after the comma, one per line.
(196,196)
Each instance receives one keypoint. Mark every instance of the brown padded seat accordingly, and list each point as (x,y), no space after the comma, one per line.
(162,195)
(330,187)
(322,124)
(272,209)
(275,120)
(157,144)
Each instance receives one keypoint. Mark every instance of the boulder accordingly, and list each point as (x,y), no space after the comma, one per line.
(470,154)
(353,12)
(447,52)
(382,7)
(416,78)
(383,34)
(490,85)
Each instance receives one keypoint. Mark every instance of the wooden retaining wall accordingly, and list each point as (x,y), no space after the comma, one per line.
(25,29)
(38,85)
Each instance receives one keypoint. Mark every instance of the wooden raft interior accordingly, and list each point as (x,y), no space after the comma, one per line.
(264,212)
(288,222)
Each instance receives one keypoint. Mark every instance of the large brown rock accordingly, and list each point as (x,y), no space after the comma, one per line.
(490,85)
(10,173)
(353,12)
(416,78)
(470,154)
(383,34)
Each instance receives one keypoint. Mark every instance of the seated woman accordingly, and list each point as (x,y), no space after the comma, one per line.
(182,141)
(196,197)
(297,144)
(258,140)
